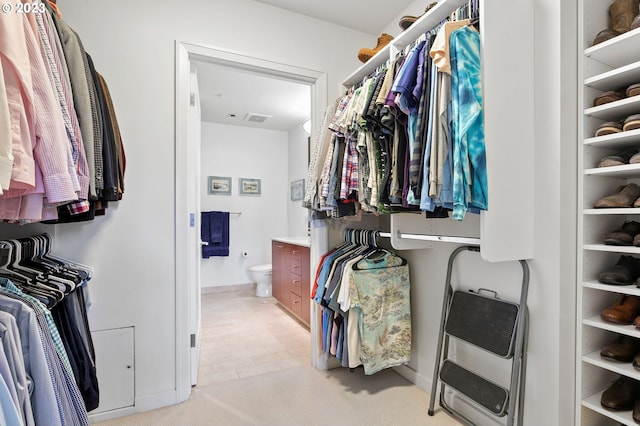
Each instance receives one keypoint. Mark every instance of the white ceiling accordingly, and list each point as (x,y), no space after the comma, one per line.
(368,16)
(226,91)
(228,95)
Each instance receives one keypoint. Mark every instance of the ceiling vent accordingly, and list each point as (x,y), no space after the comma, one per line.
(256,118)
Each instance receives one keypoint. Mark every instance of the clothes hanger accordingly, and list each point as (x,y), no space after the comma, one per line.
(31,256)
(85,272)
(380,254)
(24,282)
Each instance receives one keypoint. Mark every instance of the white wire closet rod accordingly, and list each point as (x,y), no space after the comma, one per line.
(440,238)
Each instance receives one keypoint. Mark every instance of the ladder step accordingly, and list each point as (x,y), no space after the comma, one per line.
(486,322)
(478,389)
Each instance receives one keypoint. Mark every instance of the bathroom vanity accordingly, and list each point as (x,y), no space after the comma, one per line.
(291,277)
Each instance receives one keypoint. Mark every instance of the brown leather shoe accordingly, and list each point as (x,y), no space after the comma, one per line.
(624,311)
(636,362)
(365,53)
(604,35)
(622,13)
(636,411)
(618,159)
(607,97)
(624,196)
(622,348)
(623,236)
(621,395)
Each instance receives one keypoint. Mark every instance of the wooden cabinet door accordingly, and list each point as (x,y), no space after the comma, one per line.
(277,254)
(305,288)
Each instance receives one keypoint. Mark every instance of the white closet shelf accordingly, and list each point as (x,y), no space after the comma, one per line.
(615,52)
(617,110)
(607,212)
(597,322)
(615,140)
(440,238)
(612,249)
(615,79)
(622,289)
(624,368)
(614,171)
(429,20)
(593,403)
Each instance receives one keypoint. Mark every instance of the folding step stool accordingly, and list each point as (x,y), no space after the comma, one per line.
(497,326)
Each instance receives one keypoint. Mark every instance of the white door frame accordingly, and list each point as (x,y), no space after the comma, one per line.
(185,53)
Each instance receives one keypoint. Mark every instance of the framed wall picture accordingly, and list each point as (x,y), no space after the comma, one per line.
(297,190)
(249,186)
(219,185)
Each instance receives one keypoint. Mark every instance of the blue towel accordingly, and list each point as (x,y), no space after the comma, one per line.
(214,230)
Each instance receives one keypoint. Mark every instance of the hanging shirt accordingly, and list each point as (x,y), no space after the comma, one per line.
(469,156)
(379,294)
(409,77)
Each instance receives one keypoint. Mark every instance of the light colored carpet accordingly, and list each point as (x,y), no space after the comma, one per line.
(300,396)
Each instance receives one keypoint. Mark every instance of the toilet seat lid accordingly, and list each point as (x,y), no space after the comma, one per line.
(261,268)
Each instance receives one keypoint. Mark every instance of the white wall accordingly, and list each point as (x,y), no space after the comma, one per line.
(132,248)
(297,215)
(237,152)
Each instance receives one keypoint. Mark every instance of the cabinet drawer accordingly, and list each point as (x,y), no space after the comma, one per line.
(296,266)
(296,305)
(296,285)
(296,253)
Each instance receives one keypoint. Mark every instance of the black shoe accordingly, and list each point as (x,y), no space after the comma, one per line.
(625,272)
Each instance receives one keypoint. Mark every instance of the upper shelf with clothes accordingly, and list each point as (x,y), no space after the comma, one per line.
(506,228)
(430,19)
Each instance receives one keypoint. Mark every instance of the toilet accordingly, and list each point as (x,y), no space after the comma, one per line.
(261,275)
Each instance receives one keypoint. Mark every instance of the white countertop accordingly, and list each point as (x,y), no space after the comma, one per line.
(299,241)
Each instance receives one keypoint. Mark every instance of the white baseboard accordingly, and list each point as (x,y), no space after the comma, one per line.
(143,404)
(420,380)
(227,288)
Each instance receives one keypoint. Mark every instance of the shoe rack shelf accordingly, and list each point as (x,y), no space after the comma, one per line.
(611,65)
(626,170)
(618,77)
(614,110)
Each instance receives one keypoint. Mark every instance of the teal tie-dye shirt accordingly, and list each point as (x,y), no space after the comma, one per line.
(469,156)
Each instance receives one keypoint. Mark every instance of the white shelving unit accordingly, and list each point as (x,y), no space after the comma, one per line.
(506,231)
(611,65)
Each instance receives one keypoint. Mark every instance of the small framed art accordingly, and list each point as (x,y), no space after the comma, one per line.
(219,185)
(297,190)
(249,186)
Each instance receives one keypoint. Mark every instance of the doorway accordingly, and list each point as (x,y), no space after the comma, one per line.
(187,206)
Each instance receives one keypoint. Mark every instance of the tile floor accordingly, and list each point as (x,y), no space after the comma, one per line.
(255,370)
(244,335)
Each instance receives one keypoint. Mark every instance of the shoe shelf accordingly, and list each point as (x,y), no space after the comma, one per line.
(593,403)
(612,249)
(597,322)
(615,140)
(610,65)
(619,367)
(608,212)
(617,51)
(615,111)
(623,289)
(429,20)
(616,78)
(626,170)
